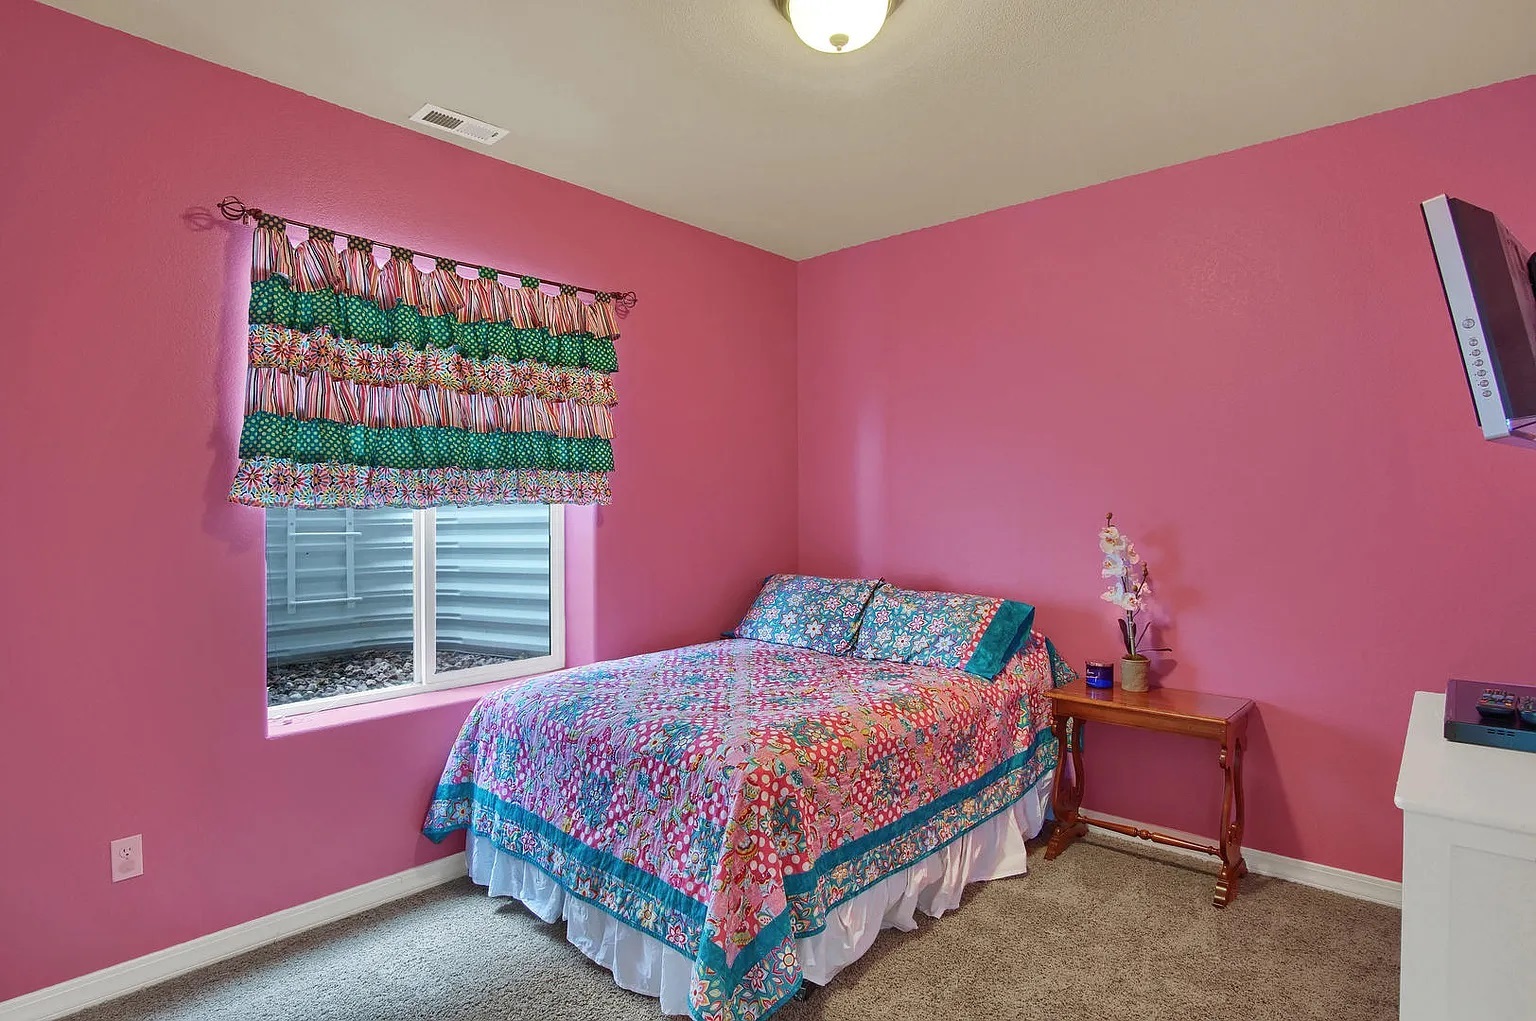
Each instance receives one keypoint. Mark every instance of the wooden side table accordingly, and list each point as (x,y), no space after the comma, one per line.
(1218,718)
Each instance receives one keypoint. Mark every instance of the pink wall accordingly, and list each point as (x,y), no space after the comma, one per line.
(1319,524)
(131,595)
(1248,359)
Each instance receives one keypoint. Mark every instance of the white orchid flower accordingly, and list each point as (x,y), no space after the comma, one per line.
(1130,590)
(1118,594)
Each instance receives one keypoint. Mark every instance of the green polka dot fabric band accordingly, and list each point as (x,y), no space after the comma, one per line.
(423,446)
(519,336)
(371,383)
(274,482)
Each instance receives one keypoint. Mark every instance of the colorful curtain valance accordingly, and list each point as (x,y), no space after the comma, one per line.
(378,385)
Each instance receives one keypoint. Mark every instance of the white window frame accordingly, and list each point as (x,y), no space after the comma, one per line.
(424,611)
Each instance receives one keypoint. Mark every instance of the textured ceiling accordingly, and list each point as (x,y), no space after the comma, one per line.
(711,111)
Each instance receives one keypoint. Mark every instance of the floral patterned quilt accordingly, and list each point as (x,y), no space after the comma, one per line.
(724,797)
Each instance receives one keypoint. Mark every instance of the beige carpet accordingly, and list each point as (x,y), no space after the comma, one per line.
(1101,933)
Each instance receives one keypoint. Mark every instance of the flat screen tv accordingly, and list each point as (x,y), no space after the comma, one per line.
(1490,288)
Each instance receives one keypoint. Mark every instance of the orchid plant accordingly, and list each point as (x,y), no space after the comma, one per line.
(1129,589)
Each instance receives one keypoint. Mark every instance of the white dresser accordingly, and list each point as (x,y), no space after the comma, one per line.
(1469,875)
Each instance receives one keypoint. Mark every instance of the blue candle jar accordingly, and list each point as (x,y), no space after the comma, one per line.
(1099,675)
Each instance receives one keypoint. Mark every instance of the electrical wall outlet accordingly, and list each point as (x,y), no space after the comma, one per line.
(128,857)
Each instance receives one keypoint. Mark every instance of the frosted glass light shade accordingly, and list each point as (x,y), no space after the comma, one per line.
(837,26)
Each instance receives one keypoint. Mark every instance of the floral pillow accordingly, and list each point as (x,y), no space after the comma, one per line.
(947,629)
(809,612)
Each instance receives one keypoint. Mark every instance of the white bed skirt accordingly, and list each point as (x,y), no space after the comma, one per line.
(643,964)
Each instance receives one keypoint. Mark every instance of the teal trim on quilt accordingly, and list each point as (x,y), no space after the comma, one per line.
(1061,671)
(661,938)
(988,817)
(799,882)
(794,883)
(779,1005)
(781,927)
(802,882)
(645,882)
(1010,629)
(1044,738)
(718,966)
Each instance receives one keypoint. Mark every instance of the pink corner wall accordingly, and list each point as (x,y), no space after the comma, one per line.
(132,593)
(1248,359)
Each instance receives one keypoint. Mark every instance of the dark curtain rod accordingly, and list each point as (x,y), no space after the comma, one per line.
(234,209)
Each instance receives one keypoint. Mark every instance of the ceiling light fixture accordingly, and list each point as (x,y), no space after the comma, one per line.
(836,26)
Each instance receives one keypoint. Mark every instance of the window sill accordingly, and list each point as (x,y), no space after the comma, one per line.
(395,705)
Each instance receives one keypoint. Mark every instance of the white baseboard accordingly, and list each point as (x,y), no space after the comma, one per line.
(1266,863)
(142,972)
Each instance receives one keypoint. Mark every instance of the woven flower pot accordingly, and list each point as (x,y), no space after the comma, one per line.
(1133,673)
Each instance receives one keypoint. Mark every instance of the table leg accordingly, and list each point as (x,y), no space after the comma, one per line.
(1067,792)
(1233,867)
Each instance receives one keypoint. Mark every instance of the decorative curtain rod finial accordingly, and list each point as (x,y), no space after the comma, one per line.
(234,209)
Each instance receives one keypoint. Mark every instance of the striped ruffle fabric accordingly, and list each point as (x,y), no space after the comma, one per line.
(398,281)
(398,387)
(320,395)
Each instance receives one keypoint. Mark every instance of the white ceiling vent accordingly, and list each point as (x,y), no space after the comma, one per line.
(458,124)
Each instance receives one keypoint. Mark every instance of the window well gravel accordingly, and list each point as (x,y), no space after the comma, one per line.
(363,670)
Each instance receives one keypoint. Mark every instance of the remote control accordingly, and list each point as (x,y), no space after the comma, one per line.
(1495,703)
(1527,707)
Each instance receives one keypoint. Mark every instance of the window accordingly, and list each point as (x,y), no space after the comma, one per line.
(380,602)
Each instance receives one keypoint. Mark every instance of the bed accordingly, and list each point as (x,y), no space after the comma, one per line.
(721,823)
